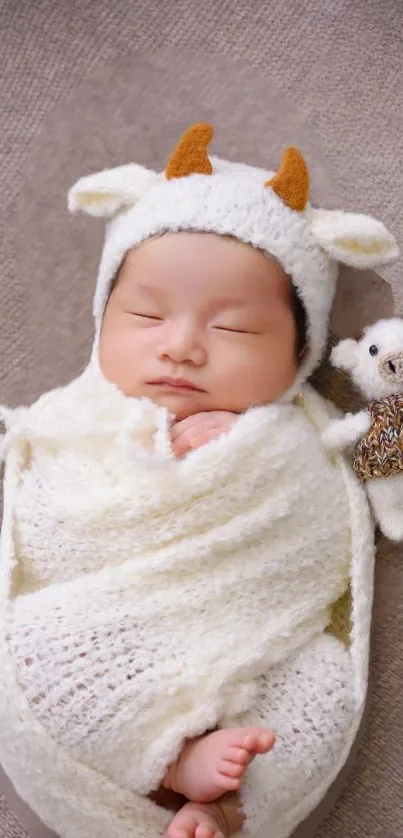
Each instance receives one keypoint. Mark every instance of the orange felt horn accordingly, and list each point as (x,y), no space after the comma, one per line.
(190,155)
(291,182)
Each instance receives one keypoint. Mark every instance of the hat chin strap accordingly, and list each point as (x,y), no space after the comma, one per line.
(94,362)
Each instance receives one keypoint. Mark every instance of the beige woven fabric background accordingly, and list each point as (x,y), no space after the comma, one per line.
(86,85)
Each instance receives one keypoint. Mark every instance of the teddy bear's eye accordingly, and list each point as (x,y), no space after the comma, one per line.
(373,350)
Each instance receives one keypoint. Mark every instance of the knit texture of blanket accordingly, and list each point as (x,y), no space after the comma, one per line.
(150,593)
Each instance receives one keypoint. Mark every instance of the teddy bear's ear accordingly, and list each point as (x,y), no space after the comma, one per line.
(105,193)
(353,239)
(344,354)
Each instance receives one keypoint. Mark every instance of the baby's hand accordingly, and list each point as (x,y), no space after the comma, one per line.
(196,430)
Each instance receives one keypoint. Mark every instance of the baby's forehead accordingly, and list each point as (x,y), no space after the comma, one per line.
(204,292)
(201,256)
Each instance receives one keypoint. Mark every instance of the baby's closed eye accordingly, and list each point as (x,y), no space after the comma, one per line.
(142,315)
(236,330)
(243,322)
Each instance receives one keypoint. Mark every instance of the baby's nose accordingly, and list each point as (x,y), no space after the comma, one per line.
(391,367)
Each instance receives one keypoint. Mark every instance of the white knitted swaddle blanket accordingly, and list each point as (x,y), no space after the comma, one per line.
(153,591)
(146,594)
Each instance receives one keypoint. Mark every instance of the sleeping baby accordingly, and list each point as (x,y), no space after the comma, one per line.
(174,532)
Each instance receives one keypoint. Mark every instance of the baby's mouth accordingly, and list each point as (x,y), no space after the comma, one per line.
(180,384)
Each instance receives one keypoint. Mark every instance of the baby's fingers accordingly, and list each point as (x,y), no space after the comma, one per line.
(187,425)
(190,441)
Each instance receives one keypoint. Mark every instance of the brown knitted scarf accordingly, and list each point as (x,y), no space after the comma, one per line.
(379,453)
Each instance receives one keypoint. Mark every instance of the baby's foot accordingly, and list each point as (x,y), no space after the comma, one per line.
(215,763)
(197,820)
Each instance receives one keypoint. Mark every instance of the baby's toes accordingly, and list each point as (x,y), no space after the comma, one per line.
(264,743)
(258,742)
(231,769)
(204,830)
(237,755)
(186,828)
(179,832)
(227,782)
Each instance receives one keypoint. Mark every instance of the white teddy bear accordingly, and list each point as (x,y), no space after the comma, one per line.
(375,363)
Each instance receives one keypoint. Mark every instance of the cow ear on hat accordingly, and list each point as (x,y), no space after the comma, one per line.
(105,193)
(359,241)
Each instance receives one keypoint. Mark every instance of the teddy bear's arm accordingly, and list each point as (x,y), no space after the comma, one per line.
(340,433)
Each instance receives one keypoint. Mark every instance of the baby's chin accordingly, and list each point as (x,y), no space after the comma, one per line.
(182,406)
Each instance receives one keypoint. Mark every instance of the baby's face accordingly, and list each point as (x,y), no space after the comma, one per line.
(197,322)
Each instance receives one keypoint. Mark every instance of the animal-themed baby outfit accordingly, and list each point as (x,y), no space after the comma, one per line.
(147,599)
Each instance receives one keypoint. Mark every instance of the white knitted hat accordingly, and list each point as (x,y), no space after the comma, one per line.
(267,210)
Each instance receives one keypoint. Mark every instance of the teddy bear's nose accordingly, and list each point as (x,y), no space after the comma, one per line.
(391,367)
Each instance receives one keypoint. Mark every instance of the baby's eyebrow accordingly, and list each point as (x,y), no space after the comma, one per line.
(235,302)
(216,302)
(151,290)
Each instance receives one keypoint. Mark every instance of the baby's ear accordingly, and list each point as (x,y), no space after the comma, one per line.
(105,193)
(359,241)
(344,355)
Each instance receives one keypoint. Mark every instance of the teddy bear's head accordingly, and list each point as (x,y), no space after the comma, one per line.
(375,360)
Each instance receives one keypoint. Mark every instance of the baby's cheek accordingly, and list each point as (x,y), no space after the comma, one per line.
(118,357)
(264,382)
